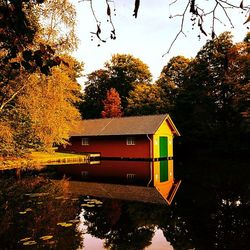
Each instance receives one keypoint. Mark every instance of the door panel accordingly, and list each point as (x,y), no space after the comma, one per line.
(163,163)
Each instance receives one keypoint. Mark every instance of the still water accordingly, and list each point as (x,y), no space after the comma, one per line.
(210,211)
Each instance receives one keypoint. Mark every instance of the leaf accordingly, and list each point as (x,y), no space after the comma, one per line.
(64,224)
(87,205)
(248,19)
(29,243)
(42,48)
(137,5)
(98,29)
(241,5)
(50,50)
(34,195)
(108,10)
(192,7)
(23,212)
(15,65)
(46,237)
(202,30)
(213,35)
(25,239)
(27,55)
(59,198)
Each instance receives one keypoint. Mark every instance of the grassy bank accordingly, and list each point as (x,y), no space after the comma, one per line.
(39,159)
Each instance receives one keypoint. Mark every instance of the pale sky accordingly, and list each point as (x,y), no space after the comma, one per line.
(148,37)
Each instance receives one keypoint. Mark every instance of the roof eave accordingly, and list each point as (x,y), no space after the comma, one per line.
(174,129)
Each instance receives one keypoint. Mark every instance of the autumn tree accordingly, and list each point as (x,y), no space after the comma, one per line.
(112,104)
(123,72)
(146,99)
(58,19)
(28,117)
(19,26)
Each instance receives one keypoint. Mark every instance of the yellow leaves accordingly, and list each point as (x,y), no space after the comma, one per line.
(25,211)
(64,224)
(91,203)
(49,102)
(25,239)
(5,132)
(46,237)
(29,243)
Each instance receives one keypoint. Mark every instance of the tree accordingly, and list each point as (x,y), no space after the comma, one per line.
(112,104)
(58,18)
(49,103)
(172,78)
(95,91)
(28,118)
(43,113)
(19,25)
(6,139)
(146,100)
(123,72)
(209,108)
(27,43)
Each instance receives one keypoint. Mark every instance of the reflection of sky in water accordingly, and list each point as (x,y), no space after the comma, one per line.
(159,242)
(89,242)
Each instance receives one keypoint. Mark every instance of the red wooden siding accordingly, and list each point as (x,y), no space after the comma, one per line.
(113,171)
(112,146)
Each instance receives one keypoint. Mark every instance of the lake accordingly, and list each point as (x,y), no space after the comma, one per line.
(211,210)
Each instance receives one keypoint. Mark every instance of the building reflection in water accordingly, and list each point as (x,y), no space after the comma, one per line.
(131,180)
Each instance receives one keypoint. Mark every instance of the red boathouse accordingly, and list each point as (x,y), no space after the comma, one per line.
(142,138)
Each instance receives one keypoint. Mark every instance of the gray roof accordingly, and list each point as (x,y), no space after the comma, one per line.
(133,125)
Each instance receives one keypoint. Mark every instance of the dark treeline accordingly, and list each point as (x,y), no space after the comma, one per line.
(207,96)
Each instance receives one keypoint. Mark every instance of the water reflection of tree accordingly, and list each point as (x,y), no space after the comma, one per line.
(213,204)
(122,225)
(50,206)
(210,211)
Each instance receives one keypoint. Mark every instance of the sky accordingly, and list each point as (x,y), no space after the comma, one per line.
(146,37)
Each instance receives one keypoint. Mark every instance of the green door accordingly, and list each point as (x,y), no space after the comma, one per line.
(163,163)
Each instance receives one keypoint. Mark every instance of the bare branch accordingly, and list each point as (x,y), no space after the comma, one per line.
(112,34)
(199,11)
(180,31)
(224,10)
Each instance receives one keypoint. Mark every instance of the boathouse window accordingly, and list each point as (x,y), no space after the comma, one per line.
(85,141)
(130,140)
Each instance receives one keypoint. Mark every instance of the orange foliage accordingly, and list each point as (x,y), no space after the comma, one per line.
(112,104)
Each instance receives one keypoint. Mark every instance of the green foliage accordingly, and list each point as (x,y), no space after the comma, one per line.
(146,99)
(95,92)
(172,78)
(216,85)
(123,72)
